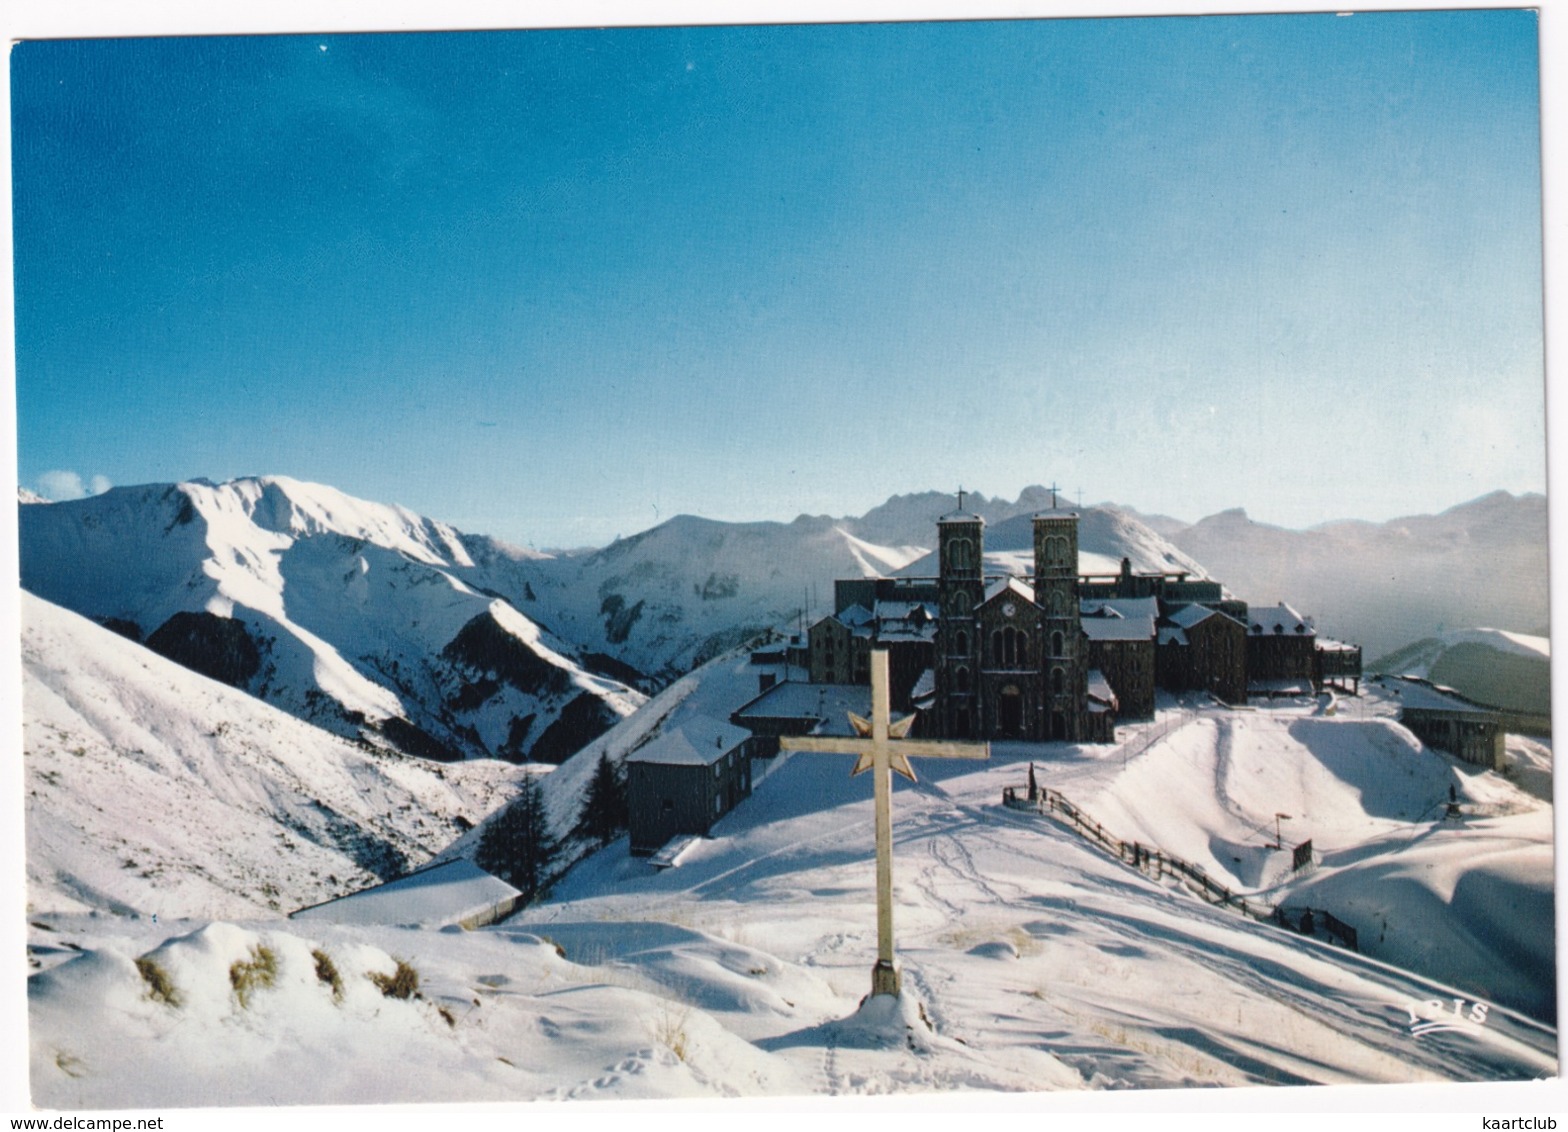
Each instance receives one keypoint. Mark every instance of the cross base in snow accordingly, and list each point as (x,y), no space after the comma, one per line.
(885,979)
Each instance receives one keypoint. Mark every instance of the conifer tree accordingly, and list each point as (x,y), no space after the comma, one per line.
(604,813)
(517,846)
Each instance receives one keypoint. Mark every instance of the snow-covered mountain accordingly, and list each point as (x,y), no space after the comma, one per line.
(365,619)
(681,593)
(1507,670)
(1384,585)
(152,789)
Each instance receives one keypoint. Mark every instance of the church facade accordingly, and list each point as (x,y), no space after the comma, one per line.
(1011,659)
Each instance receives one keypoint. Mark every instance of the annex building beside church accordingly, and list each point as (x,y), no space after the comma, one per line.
(1057,655)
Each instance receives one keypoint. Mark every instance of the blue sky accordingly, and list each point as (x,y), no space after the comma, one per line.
(556,286)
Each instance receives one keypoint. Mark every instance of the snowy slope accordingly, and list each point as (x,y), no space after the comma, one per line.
(1490,666)
(152,789)
(1039,962)
(365,619)
(1384,585)
(1424,890)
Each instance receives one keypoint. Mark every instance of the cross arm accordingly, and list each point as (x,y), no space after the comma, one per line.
(825,744)
(937,749)
(920,748)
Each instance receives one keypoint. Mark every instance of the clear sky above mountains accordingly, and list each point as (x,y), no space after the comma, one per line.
(560,285)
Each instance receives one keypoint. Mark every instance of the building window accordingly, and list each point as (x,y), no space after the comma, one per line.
(962,677)
(1058,681)
(961,643)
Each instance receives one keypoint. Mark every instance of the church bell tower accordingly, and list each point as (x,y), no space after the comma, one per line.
(1056,593)
(961,586)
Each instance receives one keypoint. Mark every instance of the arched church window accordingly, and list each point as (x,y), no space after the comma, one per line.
(961,643)
(1056,644)
(1058,681)
(962,678)
(958,602)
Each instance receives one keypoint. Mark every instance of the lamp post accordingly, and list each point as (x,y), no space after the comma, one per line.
(1278,841)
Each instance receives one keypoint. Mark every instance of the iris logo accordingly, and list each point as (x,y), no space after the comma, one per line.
(1435,1016)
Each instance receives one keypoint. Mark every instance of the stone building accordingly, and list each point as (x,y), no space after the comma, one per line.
(685,779)
(1442,718)
(1204,649)
(1055,654)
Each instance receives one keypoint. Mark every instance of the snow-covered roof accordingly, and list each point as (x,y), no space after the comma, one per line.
(1129,607)
(1328,644)
(961,516)
(1116,629)
(1016,586)
(1119,619)
(1426,696)
(905,610)
(1280,619)
(1100,688)
(1171,635)
(925,686)
(854,616)
(698,740)
(905,621)
(825,702)
(1189,615)
(434,897)
(905,631)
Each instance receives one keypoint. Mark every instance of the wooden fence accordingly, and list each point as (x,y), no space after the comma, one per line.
(1156,863)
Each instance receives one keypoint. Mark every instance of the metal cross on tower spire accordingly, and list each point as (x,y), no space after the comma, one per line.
(880,754)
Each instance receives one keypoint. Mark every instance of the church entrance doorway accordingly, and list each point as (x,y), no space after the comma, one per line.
(1010,712)
(1058,726)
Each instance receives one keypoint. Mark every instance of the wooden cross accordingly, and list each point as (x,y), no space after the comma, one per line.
(880,754)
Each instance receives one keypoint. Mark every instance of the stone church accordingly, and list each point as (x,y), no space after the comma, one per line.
(1011,659)
(1059,655)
